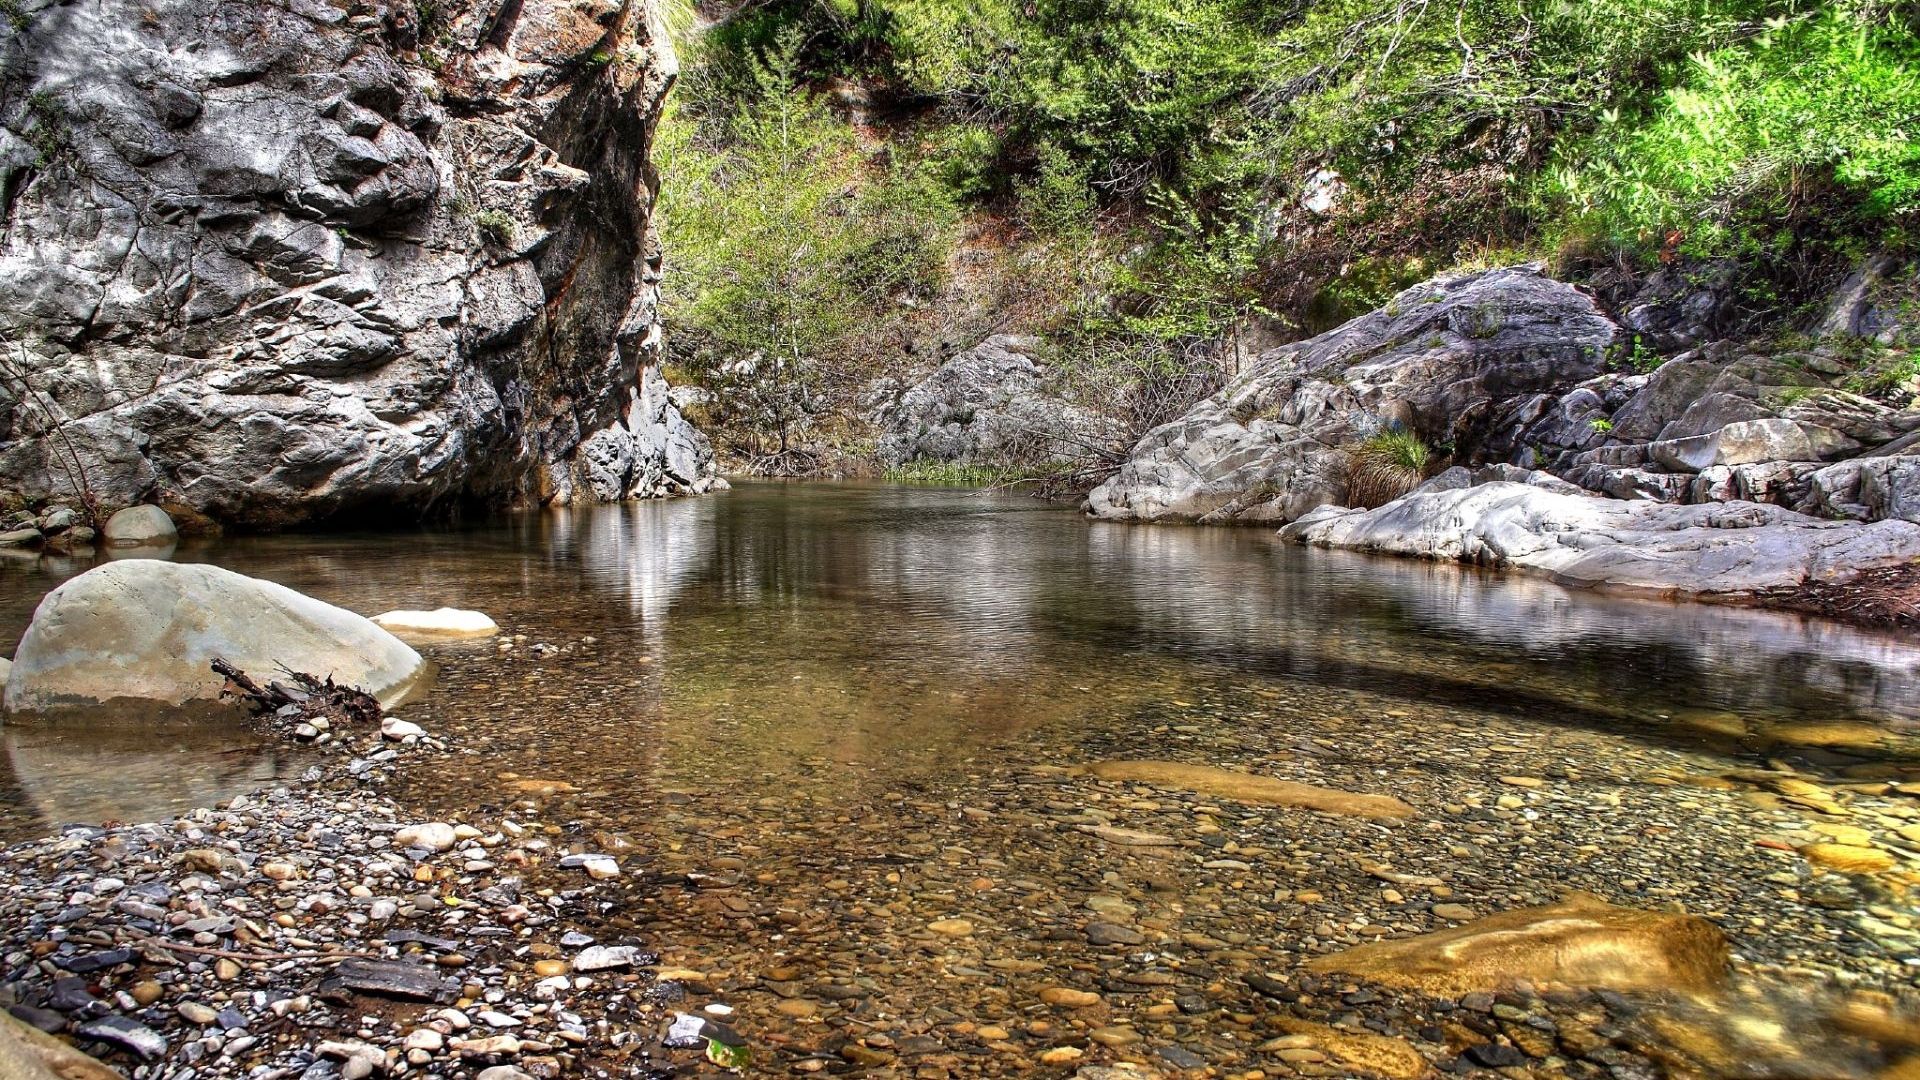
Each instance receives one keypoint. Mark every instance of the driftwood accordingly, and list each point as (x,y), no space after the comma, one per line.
(306,698)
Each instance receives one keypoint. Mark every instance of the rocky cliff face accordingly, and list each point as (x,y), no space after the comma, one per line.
(281,260)
(1441,361)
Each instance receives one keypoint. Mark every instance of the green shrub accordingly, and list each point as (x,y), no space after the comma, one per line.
(792,254)
(496,227)
(1385,466)
(1749,131)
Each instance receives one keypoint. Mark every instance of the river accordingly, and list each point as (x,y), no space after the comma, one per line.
(830,713)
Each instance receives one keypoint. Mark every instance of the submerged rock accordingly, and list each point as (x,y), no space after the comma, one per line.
(1247,787)
(1582,541)
(1582,942)
(438,624)
(149,631)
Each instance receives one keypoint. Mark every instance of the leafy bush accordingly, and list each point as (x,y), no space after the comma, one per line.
(1130,175)
(1743,140)
(791,252)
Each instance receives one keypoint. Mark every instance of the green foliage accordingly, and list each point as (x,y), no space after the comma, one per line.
(951,474)
(1386,465)
(1135,172)
(1634,358)
(496,227)
(792,251)
(50,135)
(1749,131)
(1890,374)
(1399,447)
(1601,425)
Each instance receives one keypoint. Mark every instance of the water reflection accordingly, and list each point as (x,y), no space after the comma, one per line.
(52,775)
(907,626)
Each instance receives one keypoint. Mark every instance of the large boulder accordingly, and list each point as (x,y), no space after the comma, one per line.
(1586,541)
(1444,360)
(988,405)
(142,630)
(1744,442)
(279,261)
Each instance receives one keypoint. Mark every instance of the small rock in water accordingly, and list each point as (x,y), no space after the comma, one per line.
(684,1032)
(603,957)
(443,622)
(951,927)
(1105,933)
(433,836)
(396,729)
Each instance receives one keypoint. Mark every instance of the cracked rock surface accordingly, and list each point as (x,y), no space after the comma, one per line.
(281,261)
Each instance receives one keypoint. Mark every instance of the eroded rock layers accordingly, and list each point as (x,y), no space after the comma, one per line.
(281,261)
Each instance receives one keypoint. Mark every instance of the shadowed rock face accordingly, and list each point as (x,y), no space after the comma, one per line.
(281,260)
(1442,359)
(1581,942)
(990,404)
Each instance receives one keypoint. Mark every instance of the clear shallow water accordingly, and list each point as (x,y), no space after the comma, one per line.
(816,722)
(902,627)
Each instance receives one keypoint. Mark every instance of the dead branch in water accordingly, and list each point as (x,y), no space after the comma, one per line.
(309,697)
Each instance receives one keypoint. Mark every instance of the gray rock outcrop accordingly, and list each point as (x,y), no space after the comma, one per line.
(1587,541)
(1444,360)
(278,261)
(143,630)
(1715,424)
(988,405)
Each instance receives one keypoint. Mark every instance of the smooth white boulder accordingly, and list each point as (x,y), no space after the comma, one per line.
(141,526)
(147,630)
(438,624)
(1584,541)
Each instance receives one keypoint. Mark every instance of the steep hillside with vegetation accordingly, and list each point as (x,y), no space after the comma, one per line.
(1156,189)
